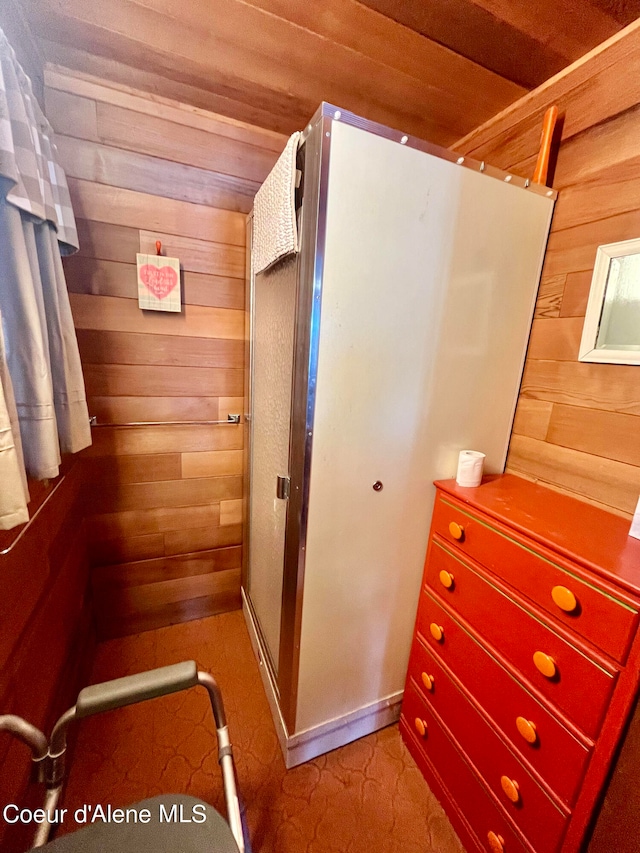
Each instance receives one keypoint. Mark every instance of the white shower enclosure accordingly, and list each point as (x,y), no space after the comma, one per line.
(395,339)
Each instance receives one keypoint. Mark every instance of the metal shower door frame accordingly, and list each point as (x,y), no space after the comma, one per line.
(317,146)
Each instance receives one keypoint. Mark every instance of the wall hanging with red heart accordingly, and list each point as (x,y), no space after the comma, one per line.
(158,283)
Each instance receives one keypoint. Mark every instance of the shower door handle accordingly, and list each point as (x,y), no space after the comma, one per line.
(283,487)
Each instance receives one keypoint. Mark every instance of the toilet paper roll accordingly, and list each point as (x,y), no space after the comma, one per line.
(470,465)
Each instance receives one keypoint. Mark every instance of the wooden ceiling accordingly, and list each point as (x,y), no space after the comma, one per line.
(433,68)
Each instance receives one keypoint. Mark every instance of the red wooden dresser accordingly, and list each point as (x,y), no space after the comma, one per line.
(525,662)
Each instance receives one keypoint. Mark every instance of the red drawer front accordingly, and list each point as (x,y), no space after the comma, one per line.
(608,622)
(581,687)
(539,818)
(556,754)
(437,749)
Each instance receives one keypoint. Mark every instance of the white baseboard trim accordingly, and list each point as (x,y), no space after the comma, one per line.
(305,745)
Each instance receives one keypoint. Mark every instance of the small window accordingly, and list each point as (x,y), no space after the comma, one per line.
(611,331)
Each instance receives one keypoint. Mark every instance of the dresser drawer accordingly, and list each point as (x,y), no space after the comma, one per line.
(578,684)
(598,614)
(555,753)
(539,818)
(436,749)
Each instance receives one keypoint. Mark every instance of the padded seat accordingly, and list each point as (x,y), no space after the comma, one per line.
(213,835)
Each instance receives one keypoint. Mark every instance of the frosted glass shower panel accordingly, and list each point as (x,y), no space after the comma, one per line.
(274,311)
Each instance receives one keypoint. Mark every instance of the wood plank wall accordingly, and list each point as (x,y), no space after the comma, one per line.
(577,425)
(164,507)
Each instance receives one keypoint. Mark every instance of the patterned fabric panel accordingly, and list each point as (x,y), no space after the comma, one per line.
(31,178)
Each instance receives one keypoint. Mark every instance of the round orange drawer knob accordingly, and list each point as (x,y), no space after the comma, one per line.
(564,598)
(446,579)
(496,842)
(428,681)
(545,664)
(527,729)
(437,632)
(421,726)
(456,530)
(510,788)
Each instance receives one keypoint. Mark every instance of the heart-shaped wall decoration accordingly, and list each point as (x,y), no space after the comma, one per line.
(158,280)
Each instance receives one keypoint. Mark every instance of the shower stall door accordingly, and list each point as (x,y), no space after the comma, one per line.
(395,339)
(273,325)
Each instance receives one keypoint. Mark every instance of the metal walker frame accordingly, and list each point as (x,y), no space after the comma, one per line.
(48,757)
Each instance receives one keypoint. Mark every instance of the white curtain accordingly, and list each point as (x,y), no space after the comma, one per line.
(43,409)
(15,494)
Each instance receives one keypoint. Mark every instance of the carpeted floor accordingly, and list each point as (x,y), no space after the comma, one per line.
(367,797)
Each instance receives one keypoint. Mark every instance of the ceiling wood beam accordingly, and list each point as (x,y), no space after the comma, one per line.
(601,85)
(250,55)
(527,43)
(568,27)
(623,11)
(477,34)
(433,70)
(353,25)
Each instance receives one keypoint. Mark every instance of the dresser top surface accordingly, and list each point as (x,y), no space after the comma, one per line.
(579,531)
